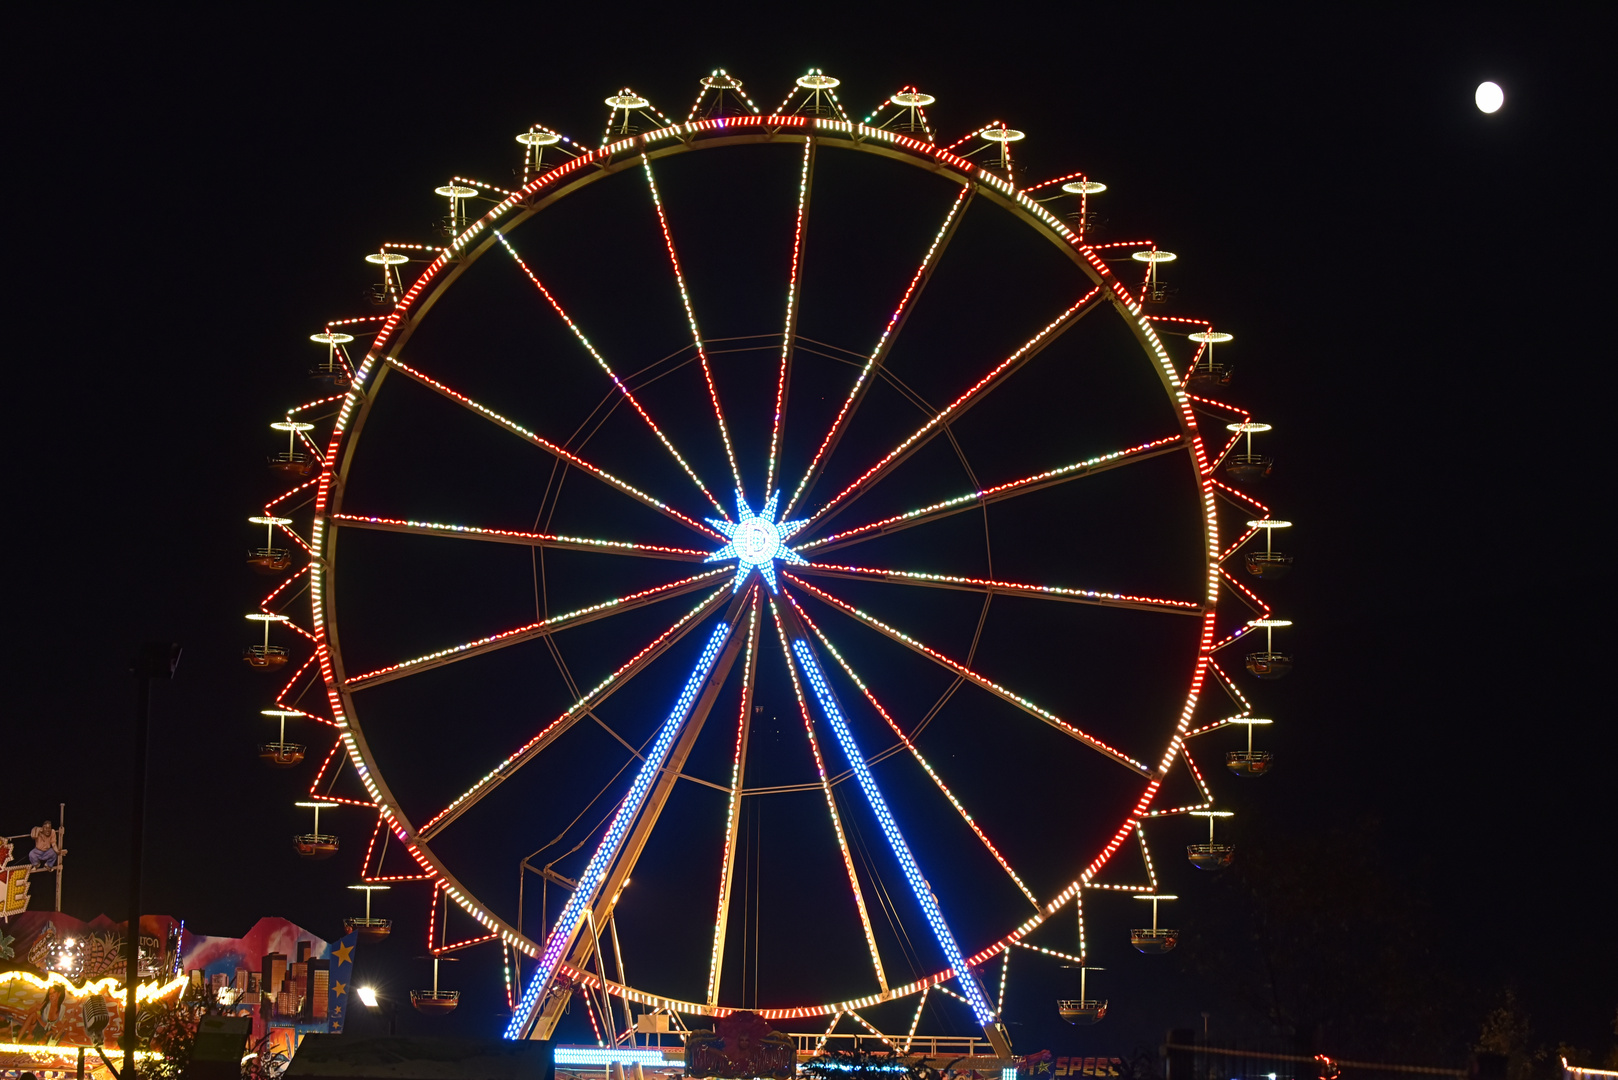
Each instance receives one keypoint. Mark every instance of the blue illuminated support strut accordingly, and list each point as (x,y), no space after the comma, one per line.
(975,997)
(572,916)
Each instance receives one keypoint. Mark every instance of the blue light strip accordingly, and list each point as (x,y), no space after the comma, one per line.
(907,862)
(591,1055)
(837,1066)
(572,916)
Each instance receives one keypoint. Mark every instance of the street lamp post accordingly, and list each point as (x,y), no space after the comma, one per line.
(156,660)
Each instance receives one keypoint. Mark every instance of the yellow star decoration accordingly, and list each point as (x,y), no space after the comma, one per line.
(343,954)
(339,989)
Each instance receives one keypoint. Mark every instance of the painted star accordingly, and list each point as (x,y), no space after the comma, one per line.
(757,541)
(339,989)
(343,953)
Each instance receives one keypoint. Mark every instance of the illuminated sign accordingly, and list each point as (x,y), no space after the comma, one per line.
(13,883)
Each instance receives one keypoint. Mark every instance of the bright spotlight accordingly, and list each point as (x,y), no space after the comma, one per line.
(1489,97)
(367,996)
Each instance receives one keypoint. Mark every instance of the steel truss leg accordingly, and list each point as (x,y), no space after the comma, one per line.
(803,651)
(543,1005)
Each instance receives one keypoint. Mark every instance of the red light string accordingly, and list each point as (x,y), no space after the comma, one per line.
(994,493)
(915,752)
(550,447)
(738,764)
(581,543)
(961,669)
(965,401)
(1258,604)
(789,334)
(883,344)
(581,707)
(1243,496)
(696,333)
(831,803)
(990,585)
(617,383)
(543,626)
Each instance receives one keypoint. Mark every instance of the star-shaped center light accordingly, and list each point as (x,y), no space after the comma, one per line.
(756,541)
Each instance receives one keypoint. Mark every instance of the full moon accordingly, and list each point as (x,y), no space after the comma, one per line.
(1489,97)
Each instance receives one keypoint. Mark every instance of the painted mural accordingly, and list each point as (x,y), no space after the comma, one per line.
(61,983)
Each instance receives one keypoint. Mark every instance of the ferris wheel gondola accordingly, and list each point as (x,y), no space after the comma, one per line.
(435,1002)
(281,754)
(1249,762)
(1248,467)
(388,262)
(1088,222)
(1269,664)
(1269,564)
(1210,856)
(1154,940)
(371,930)
(1207,374)
(1155,290)
(333,371)
(264,656)
(315,844)
(1082,1011)
(454,223)
(292,463)
(269,559)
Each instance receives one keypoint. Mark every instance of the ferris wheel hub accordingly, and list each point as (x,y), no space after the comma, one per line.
(756,541)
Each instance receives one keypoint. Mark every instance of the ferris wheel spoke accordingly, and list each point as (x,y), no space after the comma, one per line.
(617,383)
(987,586)
(789,335)
(1000,492)
(542,628)
(884,345)
(560,453)
(691,321)
(738,769)
(831,803)
(962,670)
(803,652)
(996,377)
(583,707)
(915,752)
(520,538)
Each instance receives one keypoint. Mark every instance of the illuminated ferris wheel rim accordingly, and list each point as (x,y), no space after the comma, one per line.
(540,193)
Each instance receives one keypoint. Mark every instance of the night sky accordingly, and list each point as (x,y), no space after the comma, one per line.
(192,198)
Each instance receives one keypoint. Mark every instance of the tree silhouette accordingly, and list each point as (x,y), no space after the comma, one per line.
(1310,940)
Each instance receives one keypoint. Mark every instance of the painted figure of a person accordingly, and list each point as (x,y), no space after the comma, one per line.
(45,852)
(41,1025)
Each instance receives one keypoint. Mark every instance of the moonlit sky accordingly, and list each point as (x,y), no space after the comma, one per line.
(191,199)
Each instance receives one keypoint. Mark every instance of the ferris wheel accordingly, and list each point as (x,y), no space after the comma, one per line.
(940,652)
